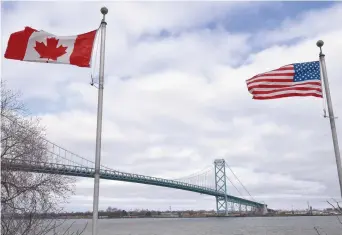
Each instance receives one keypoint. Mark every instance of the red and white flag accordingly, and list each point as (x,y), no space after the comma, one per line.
(40,46)
(298,79)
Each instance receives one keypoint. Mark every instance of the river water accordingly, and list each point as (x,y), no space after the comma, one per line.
(215,226)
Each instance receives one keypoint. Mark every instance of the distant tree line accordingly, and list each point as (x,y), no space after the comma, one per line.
(118,213)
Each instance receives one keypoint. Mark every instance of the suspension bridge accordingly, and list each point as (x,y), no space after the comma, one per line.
(210,181)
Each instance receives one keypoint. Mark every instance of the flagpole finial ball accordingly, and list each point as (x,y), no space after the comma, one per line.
(104,10)
(319,43)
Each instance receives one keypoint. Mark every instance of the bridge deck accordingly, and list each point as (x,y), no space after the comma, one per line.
(81,171)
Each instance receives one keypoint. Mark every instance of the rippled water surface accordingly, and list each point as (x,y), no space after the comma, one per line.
(215,226)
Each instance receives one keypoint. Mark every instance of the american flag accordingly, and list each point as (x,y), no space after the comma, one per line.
(299,79)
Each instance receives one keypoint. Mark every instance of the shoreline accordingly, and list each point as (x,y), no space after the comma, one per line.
(197,217)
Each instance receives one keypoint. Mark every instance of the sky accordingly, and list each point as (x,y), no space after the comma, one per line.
(175,97)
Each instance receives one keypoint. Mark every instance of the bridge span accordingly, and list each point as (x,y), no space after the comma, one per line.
(109,174)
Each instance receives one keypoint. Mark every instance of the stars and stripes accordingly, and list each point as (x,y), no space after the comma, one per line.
(299,79)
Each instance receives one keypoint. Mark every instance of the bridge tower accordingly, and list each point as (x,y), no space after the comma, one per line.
(221,186)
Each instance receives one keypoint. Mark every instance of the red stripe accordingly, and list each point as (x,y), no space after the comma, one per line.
(287,89)
(83,47)
(286,67)
(270,80)
(17,44)
(273,74)
(274,85)
(285,95)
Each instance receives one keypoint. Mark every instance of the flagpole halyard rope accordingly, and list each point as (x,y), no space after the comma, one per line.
(95,62)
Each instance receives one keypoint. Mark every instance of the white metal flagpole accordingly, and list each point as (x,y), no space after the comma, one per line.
(320,43)
(104,11)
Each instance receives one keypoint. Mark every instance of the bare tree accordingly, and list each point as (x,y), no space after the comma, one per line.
(318,231)
(337,208)
(25,196)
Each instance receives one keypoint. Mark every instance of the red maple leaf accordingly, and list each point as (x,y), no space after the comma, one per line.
(50,50)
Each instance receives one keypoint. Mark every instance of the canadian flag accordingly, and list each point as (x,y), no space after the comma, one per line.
(40,46)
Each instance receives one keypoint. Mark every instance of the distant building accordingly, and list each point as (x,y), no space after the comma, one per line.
(169,214)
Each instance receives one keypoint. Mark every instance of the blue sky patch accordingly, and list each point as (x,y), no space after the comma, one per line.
(249,20)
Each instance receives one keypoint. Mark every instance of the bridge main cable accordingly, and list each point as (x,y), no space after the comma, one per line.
(56,150)
(240,182)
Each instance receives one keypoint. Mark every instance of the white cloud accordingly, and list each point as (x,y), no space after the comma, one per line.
(308,25)
(173,105)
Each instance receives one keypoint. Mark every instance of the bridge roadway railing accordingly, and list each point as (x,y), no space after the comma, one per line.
(107,173)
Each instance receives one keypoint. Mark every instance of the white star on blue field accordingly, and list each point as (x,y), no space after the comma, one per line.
(307,71)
